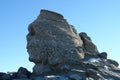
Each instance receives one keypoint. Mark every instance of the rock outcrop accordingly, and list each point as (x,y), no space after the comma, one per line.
(60,53)
(51,42)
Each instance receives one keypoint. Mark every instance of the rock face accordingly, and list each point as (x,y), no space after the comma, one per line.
(52,41)
(59,53)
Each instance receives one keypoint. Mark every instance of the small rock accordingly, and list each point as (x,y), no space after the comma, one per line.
(103,55)
(88,45)
(23,73)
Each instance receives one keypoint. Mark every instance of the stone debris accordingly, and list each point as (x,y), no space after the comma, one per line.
(60,53)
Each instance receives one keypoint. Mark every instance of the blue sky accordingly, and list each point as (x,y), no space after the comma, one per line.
(100,19)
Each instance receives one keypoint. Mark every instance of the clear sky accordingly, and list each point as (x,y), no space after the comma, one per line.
(100,19)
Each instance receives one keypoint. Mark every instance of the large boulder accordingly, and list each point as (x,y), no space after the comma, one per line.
(52,41)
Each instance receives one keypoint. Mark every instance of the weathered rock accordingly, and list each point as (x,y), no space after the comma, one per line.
(52,41)
(108,74)
(23,73)
(88,45)
(42,69)
(110,61)
(103,55)
(92,72)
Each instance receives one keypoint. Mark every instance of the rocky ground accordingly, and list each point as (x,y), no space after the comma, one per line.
(60,53)
(91,69)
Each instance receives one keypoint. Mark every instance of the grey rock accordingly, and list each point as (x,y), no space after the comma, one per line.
(23,73)
(94,74)
(110,61)
(41,70)
(109,74)
(88,45)
(103,55)
(91,72)
(52,41)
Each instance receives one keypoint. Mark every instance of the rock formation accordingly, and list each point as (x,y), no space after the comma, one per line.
(60,53)
(51,42)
